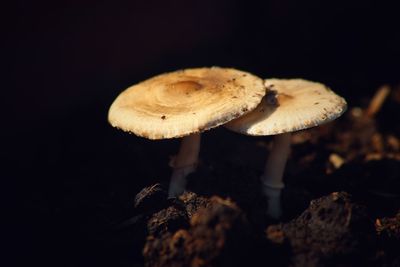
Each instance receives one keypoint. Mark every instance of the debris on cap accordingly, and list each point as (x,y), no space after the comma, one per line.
(290,105)
(186,101)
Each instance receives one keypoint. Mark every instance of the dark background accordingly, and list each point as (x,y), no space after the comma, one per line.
(69,175)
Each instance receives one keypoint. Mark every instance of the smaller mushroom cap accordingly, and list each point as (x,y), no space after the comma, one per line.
(183,102)
(290,105)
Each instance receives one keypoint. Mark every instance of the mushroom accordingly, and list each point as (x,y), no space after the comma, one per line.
(183,104)
(289,105)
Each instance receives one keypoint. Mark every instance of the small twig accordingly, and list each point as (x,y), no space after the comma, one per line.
(377,101)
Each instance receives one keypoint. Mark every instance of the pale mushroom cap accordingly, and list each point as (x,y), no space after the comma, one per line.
(187,101)
(290,105)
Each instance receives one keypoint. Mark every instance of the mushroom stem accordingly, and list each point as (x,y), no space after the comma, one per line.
(272,179)
(184,163)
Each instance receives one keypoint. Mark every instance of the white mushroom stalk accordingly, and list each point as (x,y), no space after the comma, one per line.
(184,163)
(289,105)
(272,179)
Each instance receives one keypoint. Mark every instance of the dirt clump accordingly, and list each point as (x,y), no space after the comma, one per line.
(219,235)
(193,202)
(332,231)
(388,233)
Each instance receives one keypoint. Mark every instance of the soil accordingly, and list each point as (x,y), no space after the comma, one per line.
(341,203)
